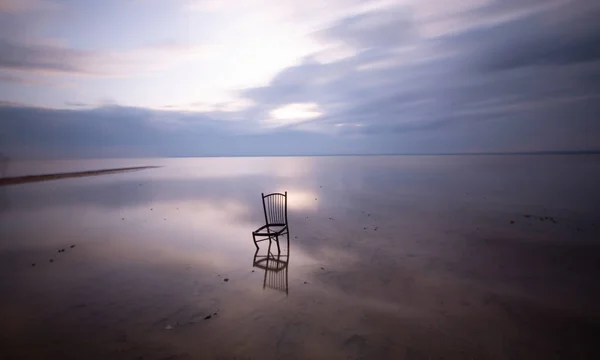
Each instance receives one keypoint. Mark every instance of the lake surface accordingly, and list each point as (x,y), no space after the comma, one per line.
(391,257)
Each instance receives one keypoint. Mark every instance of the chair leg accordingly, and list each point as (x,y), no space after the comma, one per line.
(255,244)
(277,240)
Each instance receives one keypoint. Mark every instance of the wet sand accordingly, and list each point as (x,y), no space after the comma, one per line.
(389,258)
(47,177)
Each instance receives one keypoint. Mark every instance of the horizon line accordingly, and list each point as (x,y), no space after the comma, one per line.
(549,152)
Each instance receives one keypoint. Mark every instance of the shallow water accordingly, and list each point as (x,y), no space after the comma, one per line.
(390,257)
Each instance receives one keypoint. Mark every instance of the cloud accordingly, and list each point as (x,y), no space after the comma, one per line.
(472,90)
(417,78)
(9,78)
(20,6)
(42,58)
(76,104)
(552,36)
(41,132)
(377,29)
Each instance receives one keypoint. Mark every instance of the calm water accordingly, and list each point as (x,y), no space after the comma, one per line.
(416,257)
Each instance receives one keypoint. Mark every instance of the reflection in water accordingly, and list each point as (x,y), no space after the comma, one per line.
(3,199)
(275,267)
(403,257)
(3,165)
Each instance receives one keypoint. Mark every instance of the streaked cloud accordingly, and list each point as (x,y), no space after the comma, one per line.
(20,6)
(307,77)
(59,59)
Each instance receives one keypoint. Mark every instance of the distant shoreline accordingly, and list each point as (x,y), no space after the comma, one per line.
(540,153)
(47,177)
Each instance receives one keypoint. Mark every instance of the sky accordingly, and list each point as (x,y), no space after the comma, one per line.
(136,78)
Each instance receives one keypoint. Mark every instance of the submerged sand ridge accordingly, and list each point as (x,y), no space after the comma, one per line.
(57,176)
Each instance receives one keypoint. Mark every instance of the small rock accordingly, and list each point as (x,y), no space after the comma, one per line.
(51,260)
(122,218)
(364,228)
(151,209)
(305,282)
(315,198)
(226,279)
(368,214)
(207,317)
(322,268)
(72,246)
(512,221)
(215,314)
(33,264)
(252,270)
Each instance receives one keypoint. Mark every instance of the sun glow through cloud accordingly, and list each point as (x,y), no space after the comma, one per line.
(294,113)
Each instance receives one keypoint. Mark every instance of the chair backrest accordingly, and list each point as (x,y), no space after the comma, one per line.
(275,208)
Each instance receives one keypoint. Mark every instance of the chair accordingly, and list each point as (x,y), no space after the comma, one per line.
(276,222)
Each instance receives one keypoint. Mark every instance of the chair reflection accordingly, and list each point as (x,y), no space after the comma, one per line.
(3,165)
(275,267)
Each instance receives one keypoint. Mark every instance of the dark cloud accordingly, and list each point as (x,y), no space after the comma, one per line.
(555,36)
(8,78)
(453,82)
(40,57)
(373,30)
(31,131)
(75,104)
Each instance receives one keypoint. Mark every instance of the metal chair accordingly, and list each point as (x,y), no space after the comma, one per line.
(276,221)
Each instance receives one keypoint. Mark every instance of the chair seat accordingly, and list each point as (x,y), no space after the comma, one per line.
(270,230)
